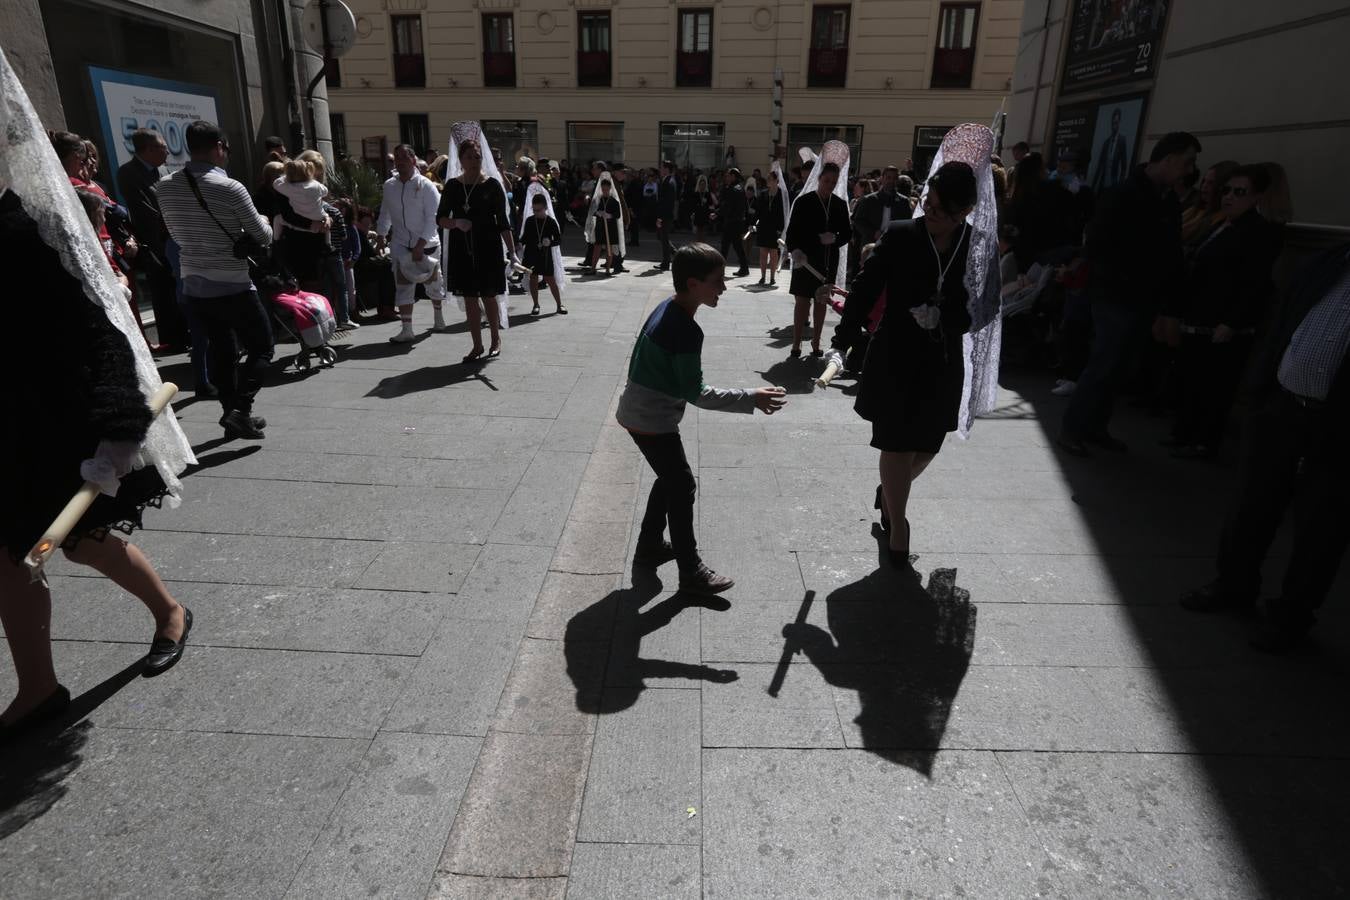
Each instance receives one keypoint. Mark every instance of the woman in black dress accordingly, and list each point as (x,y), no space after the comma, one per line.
(769,228)
(473,208)
(70,402)
(818,231)
(914,372)
(702,205)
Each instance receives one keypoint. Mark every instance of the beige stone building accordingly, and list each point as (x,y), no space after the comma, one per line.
(1254,81)
(639,79)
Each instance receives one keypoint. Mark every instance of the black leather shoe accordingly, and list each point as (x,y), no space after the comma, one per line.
(164,653)
(655,556)
(1211,599)
(704,580)
(57,702)
(257,422)
(238,425)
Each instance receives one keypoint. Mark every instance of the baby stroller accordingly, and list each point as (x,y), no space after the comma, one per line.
(306,317)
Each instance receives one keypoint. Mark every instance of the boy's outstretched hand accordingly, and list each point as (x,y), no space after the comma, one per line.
(770,400)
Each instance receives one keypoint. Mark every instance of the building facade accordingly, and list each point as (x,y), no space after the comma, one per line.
(103,68)
(1255,82)
(638,80)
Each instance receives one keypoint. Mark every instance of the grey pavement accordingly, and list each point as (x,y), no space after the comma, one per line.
(422,665)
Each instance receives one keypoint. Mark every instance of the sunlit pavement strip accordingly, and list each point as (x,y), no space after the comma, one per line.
(421,665)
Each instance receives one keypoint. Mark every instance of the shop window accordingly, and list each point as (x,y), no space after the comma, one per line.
(594,65)
(954,58)
(693,60)
(337,127)
(499,50)
(815,136)
(414,129)
(828,64)
(410,68)
(589,141)
(697,145)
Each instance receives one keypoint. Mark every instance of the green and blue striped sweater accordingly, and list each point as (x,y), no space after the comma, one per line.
(666,374)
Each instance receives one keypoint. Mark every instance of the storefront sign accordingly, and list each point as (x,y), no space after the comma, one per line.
(1103,138)
(127,101)
(1112,42)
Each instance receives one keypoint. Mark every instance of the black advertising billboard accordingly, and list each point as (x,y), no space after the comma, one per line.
(1102,136)
(1112,42)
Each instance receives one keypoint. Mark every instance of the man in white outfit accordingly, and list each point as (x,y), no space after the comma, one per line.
(408,219)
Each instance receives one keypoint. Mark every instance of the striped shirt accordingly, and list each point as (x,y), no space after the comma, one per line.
(1319,345)
(207,248)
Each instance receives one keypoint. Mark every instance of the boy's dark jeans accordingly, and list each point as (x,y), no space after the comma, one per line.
(671,499)
(235,316)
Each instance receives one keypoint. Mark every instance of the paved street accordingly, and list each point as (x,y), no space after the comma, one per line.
(422,667)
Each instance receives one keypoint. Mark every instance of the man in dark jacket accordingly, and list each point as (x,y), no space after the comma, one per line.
(666,192)
(136,180)
(730,215)
(1134,253)
(1296,443)
(881,209)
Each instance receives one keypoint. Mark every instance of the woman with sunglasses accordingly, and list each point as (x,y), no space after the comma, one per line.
(1227,291)
(915,368)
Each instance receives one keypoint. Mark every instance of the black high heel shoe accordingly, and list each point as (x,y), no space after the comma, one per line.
(880,505)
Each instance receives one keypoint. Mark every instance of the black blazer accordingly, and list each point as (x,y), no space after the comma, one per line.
(665,199)
(137,183)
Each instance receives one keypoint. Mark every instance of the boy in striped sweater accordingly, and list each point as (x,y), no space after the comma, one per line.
(665,375)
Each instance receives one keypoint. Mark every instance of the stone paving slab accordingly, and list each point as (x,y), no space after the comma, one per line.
(136,818)
(625,871)
(830,823)
(387,831)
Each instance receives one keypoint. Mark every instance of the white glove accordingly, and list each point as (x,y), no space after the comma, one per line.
(111,461)
(826,238)
(834,358)
(798,258)
(926,315)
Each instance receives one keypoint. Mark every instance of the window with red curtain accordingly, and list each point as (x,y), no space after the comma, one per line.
(410,68)
(693,58)
(954,57)
(499,50)
(828,64)
(593,59)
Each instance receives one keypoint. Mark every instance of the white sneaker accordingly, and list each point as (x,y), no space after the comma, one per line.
(348,325)
(404,336)
(439,323)
(1064,388)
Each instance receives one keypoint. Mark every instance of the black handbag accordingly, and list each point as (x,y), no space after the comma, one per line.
(244,245)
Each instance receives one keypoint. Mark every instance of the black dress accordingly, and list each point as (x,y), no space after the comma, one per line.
(768,219)
(538,255)
(63,397)
(475,259)
(812,217)
(912,377)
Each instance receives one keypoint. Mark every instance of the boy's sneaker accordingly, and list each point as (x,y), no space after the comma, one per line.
(704,580)
(238,425)
(654,556)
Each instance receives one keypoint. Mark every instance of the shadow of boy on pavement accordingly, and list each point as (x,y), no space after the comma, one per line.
(611,630)
(905,650)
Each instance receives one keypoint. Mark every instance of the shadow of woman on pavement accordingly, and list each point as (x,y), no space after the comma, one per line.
(904,650)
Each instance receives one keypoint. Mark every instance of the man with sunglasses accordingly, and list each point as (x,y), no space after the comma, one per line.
(209,215)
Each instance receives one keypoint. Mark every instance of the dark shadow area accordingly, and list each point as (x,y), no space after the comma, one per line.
(430,378)
(213,443)
(223,457)
(758,288)
(385,349)
(1270,732)
(797,376)
(903,649)
(35,766)
(603,642)
(781,336)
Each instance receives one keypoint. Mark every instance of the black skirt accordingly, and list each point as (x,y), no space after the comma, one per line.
(911,388)
(766,236)
(540,259)
(476,268)
(804,284)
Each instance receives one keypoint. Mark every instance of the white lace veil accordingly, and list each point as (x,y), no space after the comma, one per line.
(28,166)
(472,131)
(973,144)
(837,153)
(538,190)
(616,229)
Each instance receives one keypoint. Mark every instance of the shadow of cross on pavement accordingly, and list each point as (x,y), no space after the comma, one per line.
(904,649)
